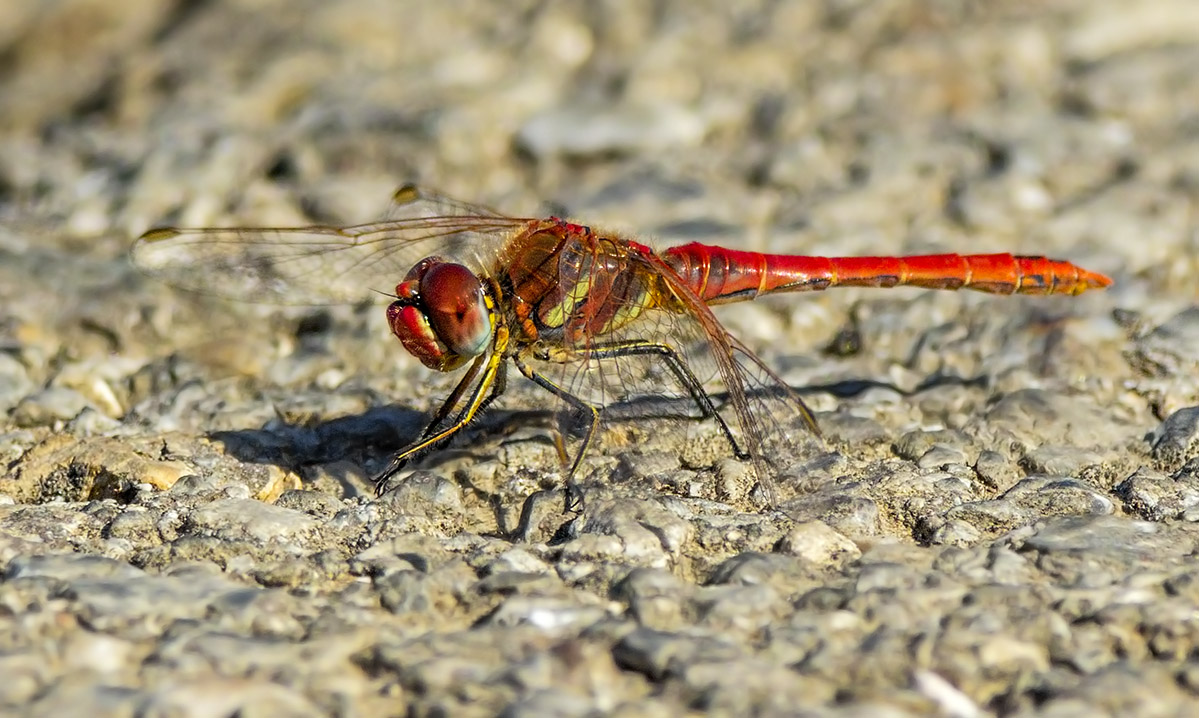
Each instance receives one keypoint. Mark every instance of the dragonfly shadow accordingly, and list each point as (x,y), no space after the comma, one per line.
(684,407)
(850,388)
(345,446)
(349,448)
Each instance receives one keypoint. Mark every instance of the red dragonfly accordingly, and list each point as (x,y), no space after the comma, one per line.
(591,317)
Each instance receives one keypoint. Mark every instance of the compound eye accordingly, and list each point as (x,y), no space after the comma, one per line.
(422,267)
(455,303)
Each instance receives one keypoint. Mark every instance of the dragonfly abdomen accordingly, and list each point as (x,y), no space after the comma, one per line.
(720,275)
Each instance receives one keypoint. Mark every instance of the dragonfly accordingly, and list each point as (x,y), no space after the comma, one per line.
(592,317)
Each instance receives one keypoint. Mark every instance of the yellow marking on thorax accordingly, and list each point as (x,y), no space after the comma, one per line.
(558,315)
(629,311)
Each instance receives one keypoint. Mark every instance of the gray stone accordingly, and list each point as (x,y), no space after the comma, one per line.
(655,599)
(141,607)
(1156,497)
(998,473)
(658,654)
(15,382)
(853,430)
(1172,346)
(68,567)
(1098,535)
(250,520)
(641,533)
(257,699)
(1176,440)
(816,542)
(850,515)
(1059,460)
(956,533)
(48,406)
(64,697)
(423,494)
(1036,418)
(563,616)
(915,445)
(580,132)
(1052,495)
(314,503)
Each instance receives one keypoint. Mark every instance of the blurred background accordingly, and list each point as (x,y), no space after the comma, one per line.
(855,125)
(839,127)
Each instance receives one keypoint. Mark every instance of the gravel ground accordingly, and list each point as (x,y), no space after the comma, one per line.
(1003,518)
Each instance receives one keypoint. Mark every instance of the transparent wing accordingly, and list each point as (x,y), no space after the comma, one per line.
(765,417)
(413,202)
(325,265)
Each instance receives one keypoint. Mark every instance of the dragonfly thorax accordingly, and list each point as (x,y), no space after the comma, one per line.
(441,314)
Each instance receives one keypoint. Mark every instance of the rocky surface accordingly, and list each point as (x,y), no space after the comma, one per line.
(1002,520)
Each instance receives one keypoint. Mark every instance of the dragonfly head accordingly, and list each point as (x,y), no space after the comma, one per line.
(441,314)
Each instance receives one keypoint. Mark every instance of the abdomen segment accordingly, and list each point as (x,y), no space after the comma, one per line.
(720,275)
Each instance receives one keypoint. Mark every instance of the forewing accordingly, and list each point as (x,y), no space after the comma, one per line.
(325,265)
(414,202)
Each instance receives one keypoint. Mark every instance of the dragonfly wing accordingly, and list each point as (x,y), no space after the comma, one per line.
(769,415)
(765,417)
(324,265)
(414,201)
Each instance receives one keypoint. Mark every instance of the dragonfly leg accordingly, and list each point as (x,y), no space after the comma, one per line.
(478,398)
(681,372)
(498,386)
(455,396)
(574,495)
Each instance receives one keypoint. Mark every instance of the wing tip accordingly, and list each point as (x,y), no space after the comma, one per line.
(407,193)
(159,234)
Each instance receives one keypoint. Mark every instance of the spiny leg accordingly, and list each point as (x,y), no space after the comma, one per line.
(681,372)
(498,386)
(465,415)
(574,496)
(469,411)
(401,457)
(452,400)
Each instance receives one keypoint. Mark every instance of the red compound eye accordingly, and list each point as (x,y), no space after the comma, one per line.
(454,303)
(442,316)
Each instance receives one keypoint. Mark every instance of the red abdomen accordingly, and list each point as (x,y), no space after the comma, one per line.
(721,275)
